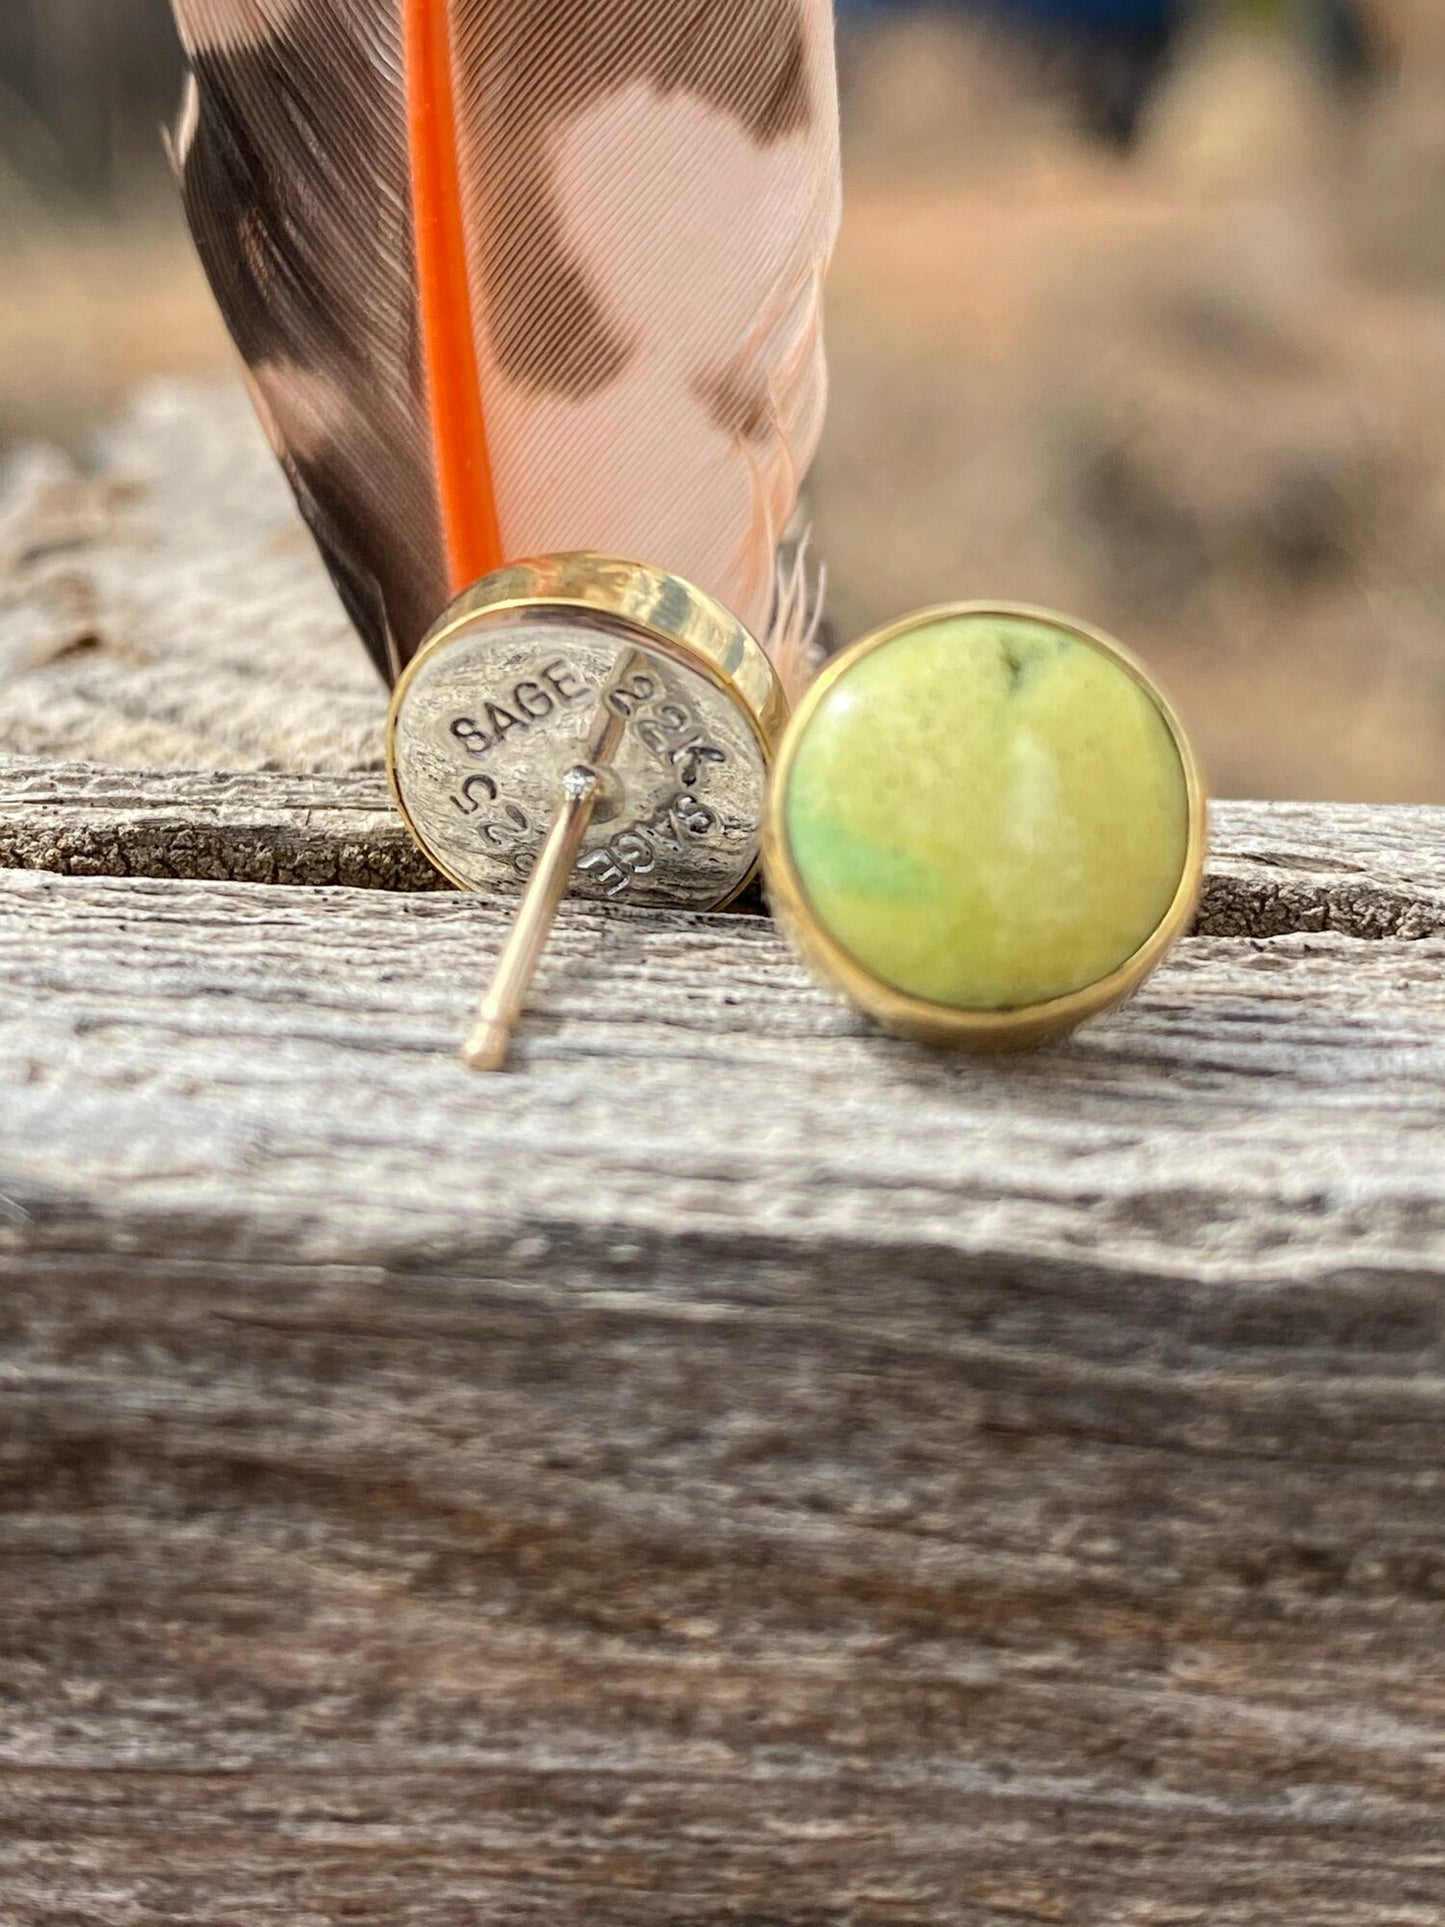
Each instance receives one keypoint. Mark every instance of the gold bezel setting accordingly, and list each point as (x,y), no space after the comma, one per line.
(898,1011)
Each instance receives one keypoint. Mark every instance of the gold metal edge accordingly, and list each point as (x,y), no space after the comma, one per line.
(920,1019)
(701,634)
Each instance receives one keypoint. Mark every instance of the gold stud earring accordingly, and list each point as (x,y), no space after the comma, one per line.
(583,718)
(985,825)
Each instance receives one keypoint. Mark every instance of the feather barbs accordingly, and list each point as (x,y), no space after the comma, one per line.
(553,266)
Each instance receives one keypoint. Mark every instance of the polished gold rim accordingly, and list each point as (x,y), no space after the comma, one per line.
(662,612)
(896,1010)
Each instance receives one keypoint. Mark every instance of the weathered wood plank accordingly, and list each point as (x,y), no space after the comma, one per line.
(1361,870)
(78,819)
(167,610)
(737,1469)
(1276,868)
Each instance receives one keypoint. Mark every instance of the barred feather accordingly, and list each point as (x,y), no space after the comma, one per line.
(513,276)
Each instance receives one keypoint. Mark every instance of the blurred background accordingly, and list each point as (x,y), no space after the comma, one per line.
(1140,312)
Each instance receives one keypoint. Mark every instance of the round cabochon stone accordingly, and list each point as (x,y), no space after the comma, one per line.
(988,812)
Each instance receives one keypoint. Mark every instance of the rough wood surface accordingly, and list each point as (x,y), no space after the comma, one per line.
(735,1470)
(219,825)
(1275,868)
(166,609)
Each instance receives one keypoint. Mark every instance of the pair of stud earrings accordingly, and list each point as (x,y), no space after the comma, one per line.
(982,824)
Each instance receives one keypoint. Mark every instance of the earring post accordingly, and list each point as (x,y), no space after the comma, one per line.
(490,1043)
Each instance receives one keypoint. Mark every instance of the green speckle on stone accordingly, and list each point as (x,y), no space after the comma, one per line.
(988,812)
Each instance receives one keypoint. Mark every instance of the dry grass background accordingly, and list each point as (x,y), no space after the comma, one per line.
(1197,396)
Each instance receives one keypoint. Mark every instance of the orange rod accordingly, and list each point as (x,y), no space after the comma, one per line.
(458,417)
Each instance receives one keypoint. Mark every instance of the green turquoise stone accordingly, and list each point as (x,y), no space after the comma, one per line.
(988,812)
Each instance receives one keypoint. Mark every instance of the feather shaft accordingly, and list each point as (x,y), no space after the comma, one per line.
(466,493)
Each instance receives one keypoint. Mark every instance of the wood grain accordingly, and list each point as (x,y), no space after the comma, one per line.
(80,819)
(166,608)
(735,1469)
(1276,868)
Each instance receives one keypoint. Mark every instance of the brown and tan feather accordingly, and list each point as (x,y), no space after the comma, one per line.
(651,192)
